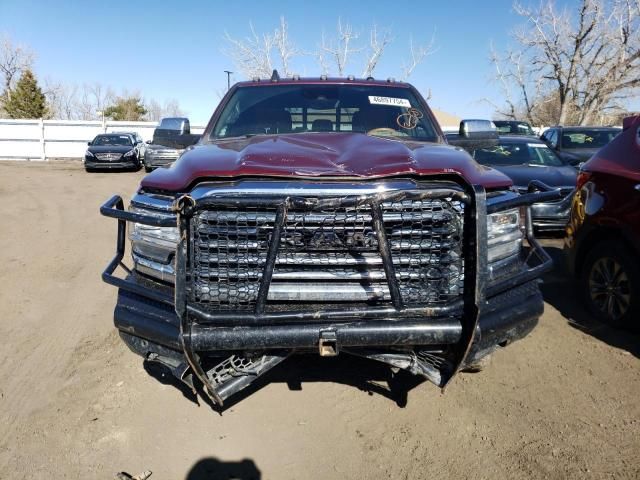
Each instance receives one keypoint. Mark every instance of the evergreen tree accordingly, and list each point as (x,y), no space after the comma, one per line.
(26,99)
(126,108)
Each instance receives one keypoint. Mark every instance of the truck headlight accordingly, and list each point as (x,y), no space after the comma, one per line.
(504,234)
(155,243)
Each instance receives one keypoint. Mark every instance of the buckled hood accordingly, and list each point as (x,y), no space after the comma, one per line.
(314,155)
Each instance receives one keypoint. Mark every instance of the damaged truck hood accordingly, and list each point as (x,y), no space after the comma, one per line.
(311,155)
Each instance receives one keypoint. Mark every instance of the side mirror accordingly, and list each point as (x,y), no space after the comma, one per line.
(148,142)
(484,129)
(475,134)
(89,143)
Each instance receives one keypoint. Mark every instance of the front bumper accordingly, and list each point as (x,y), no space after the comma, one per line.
(551,216)
(507,316)
(123,163)
(157,323)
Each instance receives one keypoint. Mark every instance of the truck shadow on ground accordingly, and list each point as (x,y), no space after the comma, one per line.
(368,376)
(561,291)
(211,468)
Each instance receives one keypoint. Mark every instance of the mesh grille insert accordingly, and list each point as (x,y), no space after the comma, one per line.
(327,255)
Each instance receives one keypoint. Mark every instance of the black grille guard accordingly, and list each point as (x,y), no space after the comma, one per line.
(454,324)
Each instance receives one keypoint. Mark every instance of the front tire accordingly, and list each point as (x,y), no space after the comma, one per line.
(610,285)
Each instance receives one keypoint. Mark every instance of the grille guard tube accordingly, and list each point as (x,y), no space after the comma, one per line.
(463,333)
(206,338)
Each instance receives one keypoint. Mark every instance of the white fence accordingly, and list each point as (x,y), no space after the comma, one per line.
(51,139)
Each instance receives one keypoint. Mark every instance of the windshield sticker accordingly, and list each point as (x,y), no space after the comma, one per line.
(389,101)
(499,150)
(536,145)
(409,120)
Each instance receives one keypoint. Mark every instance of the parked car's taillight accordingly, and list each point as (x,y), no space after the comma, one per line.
(583,177)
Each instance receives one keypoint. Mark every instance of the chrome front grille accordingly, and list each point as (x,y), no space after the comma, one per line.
(108,157)
(327,255)
(165,154)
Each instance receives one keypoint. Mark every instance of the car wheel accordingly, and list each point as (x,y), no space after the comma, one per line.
(148,169)
(610,284)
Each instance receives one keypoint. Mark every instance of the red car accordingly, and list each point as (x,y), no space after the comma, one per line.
(325,216)
(603,235)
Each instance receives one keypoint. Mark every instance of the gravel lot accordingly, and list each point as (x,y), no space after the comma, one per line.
(75,403)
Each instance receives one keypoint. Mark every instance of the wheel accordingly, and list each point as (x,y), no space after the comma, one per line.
(148,169)
(89,169)
(610,285)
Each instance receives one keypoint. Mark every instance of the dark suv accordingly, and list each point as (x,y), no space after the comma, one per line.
(576,145)
(603,236)
(328,216)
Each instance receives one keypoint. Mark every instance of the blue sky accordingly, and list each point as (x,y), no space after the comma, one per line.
(174,49)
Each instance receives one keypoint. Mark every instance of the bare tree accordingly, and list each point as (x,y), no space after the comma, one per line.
(417,54)
(511,74)
(253,54)
(62,100)
(14,60)
(156,111)
(286,50)
(258,54)
(94,98)
(339,49)
(377,45)
(586,63)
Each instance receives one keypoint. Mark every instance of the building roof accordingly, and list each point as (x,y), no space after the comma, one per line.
(446,119)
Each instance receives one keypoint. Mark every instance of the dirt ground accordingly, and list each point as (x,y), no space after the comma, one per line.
(76,403)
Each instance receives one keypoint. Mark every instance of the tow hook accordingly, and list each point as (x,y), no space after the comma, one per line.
(328,343)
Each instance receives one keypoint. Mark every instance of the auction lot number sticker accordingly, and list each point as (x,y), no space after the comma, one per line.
(394,102)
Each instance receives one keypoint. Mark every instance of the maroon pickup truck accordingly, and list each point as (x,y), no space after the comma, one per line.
(328,216)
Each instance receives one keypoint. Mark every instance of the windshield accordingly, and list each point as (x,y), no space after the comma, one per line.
(375,110)
(521,153)
(513,128)
(587,138)
(120,140)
